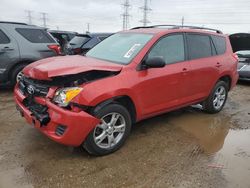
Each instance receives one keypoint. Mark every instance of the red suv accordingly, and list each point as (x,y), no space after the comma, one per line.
(93,100)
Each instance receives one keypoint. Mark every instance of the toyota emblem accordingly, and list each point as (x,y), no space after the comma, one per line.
(31,89)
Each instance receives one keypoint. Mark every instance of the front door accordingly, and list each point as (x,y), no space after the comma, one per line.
(160,89)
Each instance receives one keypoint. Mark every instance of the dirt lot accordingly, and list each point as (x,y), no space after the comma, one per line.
(186,148)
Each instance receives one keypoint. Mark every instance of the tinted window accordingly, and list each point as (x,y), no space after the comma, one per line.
(220,44)
(3,38)
(35,35)
(170,48)
(199,46)
(78,41)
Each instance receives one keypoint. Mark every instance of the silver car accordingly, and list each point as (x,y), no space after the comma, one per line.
(244,65)
(20,45)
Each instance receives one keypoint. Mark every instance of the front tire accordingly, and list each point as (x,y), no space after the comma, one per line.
(111,133)
(217,98)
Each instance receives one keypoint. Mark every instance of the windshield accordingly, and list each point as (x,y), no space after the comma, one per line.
(120,48)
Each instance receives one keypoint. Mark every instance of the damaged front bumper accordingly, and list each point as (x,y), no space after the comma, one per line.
(61,125)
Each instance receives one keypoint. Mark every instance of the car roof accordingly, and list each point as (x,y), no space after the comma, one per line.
(19,25)
(164,29)
(62,32)
(93,34)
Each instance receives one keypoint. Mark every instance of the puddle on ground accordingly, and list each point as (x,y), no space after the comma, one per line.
(229,149)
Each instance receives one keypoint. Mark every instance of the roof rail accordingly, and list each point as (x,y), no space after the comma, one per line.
(13,23)
(178,27)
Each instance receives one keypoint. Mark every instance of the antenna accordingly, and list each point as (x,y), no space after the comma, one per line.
(145,9)
(125,15)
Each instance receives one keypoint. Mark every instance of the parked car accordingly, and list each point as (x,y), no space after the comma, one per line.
(241,45)
(93,100)
(63,38)
(20,45)
(244,65)
(82,43)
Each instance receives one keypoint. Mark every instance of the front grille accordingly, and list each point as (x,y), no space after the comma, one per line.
(33,87)
(60,130)
(37,110)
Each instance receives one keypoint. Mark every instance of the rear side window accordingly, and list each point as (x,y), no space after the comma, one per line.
(3,38)
(78,41)
(35,35)
(199,46)
(170,48)
(220,44)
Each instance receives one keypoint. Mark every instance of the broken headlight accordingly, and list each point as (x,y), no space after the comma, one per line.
(65,95)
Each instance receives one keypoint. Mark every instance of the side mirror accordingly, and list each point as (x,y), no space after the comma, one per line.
(153,62)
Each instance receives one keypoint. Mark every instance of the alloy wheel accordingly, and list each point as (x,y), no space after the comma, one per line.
(219,97)
(110,131)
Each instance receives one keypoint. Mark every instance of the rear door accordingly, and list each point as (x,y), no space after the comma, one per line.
(204,68)
(9,52)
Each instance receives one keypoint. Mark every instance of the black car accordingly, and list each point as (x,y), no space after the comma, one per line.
(63,38)
(82,43)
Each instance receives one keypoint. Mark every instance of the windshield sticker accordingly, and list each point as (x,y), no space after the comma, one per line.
(132,50)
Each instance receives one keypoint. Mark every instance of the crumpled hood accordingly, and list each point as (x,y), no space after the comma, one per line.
(48,68)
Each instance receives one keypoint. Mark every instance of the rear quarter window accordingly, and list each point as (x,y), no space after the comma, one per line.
(3,38)
(35,35)
(199,46)
(220,44)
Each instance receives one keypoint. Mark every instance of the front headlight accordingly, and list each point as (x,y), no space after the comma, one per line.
(65,95)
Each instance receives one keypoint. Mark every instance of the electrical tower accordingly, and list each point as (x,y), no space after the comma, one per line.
(125,15)
(44,19)
(145,9)
(88,28)
(29,16)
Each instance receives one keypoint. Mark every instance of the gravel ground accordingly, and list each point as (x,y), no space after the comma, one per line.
(186,148)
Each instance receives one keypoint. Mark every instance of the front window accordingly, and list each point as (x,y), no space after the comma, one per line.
(120,48)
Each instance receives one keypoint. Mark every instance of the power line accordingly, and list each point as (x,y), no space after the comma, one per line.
(145,9)
(29,16)
(125,15)
(44,19)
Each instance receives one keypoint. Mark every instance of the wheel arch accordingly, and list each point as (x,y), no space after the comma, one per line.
(21,62)
(227,79)
(123,100)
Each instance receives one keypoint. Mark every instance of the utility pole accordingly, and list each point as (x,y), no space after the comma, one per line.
(125,15)
(182,21)
(29,16)
(44,19)
(145,9)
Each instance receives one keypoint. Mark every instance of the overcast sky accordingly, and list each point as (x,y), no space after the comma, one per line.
(105,15)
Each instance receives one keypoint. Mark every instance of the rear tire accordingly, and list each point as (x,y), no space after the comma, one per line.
(217,98)
(16,72)
(111,134)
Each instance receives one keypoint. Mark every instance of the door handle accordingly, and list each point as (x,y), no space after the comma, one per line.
(218,64)
(6,48)
(184,70)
